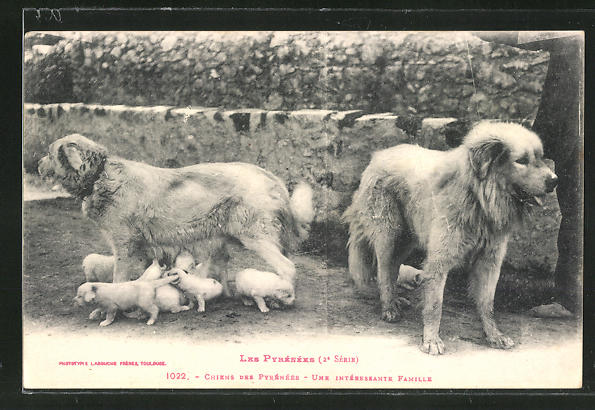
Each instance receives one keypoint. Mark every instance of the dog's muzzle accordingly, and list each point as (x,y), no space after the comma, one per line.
(528,198)
(550,183)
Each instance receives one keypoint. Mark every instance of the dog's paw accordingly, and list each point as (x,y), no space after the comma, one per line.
(96,314)
(434,346)
(247,302)
(184,308)
(201,309)
(392,313)
(105,323)
(150,322)
(500,341)
(264,309)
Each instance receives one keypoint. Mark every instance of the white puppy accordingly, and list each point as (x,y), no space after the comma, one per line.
(202,289)
(258,285)
(98,268)
(185,261)
(168,297)
(112,297)
(409,277)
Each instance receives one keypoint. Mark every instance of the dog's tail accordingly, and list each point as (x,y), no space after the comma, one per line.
(301,203)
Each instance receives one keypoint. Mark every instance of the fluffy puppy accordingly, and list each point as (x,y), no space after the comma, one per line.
(202,289)
(167,297)
(147,212)
(459,205)
(409,277)
(185,261)
(255,285)
(98,268)
(112,297)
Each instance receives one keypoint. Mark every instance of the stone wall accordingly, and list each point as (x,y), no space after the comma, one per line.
(430,74)
(329,149)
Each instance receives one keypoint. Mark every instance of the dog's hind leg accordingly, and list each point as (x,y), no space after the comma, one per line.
(271,253)
(483,280)
(360,263)
(153,311)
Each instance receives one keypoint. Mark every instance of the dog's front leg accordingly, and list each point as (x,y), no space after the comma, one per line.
(127,268)
(384,246)
(109,317)
(433,292)
(483,280)
(216,265)
(96,314)
(201,303)
(128,262)
(153,311)
(442,257)
(261,304)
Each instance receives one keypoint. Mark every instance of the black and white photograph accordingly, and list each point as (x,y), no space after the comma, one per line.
(303,209)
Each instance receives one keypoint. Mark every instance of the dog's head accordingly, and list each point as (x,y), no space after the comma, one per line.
(214,288)
(85,294)
(185,261)
(75,162)
(284,293)
(512,157)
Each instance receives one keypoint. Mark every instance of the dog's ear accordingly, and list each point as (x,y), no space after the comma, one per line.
(486,154)
(90,296)
(82,159)
(454,132)
(73,155)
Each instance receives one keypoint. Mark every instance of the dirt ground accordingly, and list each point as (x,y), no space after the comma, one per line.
(57,237)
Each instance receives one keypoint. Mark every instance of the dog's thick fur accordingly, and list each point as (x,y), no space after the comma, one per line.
(147,212)
(123,296)
(459,205)
(167,297)
(98,268)
(252,284)
(202,289)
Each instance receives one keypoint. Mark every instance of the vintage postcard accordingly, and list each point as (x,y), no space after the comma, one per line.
(316,209)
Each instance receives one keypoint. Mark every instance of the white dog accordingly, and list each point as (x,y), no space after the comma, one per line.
(202,289)
(409,277)
(168,297)
(258,285)
(98,268)
(185,261)
(112,297)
